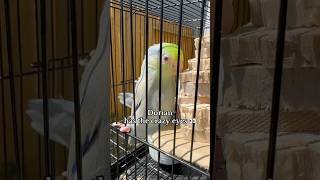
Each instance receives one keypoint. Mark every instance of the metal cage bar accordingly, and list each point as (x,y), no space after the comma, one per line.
(4,124)
(12,89)
(197,77)
(133,77)
(76,98)
(122,57)
(215,43)
(44,75)
(123,74)
(21,87)
(177,83)
(38,73)
(53,84)
(160,83)
(147,61)
(277,88)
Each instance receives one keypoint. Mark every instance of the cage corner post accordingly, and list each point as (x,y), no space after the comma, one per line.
(215,49)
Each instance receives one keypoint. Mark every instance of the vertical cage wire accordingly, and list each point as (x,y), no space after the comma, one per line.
(277,88)
(12,88)
(114,57)
(113,74)
(160,83)
(36,12)
(215,44)
(75,62)
(81,9)
(53,79)
(123,75)
(21,88)
(44,76)
(52,51)
(133,85)
(177,83)
(4,124)
(147,77)
(118,147)
(122,57)
(114,77)
(63,71)
(197,76)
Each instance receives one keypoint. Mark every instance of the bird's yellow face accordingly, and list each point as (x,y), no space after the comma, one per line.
(170,59)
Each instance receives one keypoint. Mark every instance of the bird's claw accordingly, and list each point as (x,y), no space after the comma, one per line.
(118,124)
(122,127)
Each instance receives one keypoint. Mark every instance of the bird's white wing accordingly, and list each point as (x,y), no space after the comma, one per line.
(128,99)
(61,117)
(140,104)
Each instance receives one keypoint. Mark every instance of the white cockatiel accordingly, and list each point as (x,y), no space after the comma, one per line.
(169,61)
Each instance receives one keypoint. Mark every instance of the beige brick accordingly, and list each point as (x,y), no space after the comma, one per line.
(251,87)
(205,53)
(188,88)
(241,120)
(257,46)
(204,64)
(202,115)
(301,13)
(246,156)
(206,33)
(190,76)
(185,99)
(205,42)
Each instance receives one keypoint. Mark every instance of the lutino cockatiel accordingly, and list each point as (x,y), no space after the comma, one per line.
(168,90)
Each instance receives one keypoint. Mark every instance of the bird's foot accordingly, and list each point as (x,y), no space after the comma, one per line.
(122,127)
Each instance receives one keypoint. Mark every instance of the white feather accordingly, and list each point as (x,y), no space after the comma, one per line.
(128,99)
(61,117)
